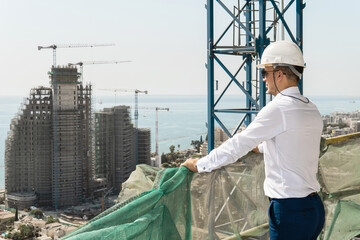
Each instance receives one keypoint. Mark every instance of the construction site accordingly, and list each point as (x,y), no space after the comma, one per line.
(61,153)
(229,202)
(48,150)
(29,150)
(57,156)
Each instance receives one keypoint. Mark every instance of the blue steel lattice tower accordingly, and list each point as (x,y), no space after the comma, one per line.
(254,24)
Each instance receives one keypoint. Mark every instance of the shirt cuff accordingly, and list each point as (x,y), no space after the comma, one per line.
(261,148)
(202,165)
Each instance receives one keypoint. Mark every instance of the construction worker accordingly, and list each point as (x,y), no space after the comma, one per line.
(288,131)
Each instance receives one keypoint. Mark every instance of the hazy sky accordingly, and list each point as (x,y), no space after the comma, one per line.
(164,39)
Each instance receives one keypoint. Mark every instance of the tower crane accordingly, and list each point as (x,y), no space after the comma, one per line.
(94,62)
(157,129)
(56,46)
(55,116)
(157,157)
(156,126)
(116,90)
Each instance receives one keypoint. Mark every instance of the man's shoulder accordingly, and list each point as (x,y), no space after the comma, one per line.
(270,108)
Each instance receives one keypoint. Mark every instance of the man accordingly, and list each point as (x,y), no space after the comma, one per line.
(288,130)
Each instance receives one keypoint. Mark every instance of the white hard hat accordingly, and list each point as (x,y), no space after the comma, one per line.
(282,53)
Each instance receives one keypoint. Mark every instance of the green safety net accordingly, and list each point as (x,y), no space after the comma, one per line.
(339,175)
(150,215)
(228,203)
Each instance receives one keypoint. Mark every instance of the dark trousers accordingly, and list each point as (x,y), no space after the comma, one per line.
(296,218)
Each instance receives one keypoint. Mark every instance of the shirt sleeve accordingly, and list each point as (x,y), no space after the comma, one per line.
(261,148)
(268,123)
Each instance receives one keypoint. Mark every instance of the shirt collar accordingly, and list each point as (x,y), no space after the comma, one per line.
(290,91)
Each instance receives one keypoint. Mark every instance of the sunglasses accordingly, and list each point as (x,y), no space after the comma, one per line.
(264,72)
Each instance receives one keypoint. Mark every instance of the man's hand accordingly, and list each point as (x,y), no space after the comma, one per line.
(256,150)
(190,164)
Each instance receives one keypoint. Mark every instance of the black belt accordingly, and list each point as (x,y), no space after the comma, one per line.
(310,195)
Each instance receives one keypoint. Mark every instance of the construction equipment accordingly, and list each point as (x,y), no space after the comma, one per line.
(55,46)
(116,90)
(254,25)
(157,128)
(157,157)
(94,62)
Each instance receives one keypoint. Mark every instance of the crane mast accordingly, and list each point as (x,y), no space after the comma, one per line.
(157,128)
(254,25)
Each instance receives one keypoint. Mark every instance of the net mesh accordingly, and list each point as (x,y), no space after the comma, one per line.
(228,203)
(339,175)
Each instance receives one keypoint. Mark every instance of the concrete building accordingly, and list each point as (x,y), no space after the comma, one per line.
(71,132)
(28,151)
(48,149)
(355,124)
(144,146)
(115,146)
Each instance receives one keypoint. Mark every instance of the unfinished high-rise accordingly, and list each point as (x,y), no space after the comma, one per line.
(48,150)
(28,152)
(144,146)
(71,147)
(115,146)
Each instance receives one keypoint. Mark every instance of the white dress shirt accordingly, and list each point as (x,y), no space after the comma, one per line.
(290,132)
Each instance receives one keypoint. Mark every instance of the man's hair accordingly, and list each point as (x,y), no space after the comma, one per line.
(290,75)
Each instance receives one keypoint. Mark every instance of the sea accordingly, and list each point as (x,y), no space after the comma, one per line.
(185,121)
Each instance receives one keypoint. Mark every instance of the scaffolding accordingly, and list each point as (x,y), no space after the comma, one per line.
(115,146)
(28,151)
(104,147)
(70,158)
(85,108)
(72,137)
(49,145)
(144,146)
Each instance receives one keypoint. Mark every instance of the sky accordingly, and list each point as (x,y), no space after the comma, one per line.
(165,40)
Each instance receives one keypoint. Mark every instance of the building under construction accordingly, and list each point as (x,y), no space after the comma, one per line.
(48,150)
(28,151)
(144,146)
(115,146)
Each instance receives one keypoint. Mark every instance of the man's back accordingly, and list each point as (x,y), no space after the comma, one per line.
(291,157)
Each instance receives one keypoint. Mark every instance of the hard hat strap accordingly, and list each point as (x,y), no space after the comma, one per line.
(307,100)
(291,68)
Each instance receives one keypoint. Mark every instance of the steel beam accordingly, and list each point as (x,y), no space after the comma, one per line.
(255,28)
(210,73)
(299,32)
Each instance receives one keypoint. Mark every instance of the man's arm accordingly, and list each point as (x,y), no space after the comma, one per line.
(267,124)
